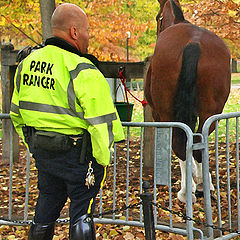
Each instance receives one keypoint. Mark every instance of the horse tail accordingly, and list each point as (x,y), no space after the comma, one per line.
(185,103)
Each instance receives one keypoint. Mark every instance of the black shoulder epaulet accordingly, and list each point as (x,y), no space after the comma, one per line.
(24,52)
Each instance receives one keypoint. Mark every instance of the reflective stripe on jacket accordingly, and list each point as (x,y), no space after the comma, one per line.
(56,90)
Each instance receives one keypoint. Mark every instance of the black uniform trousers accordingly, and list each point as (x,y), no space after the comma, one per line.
(60,175)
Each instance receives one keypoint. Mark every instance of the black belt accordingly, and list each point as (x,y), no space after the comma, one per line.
(57,142)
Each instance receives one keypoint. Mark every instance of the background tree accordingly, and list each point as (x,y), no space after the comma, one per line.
(20,19)
(47,7)
(221,17)
(111,19)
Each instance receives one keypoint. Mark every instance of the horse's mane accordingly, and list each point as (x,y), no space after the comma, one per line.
(177,11)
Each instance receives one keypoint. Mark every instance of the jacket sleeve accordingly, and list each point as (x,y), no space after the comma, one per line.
(105,127)
(15,114)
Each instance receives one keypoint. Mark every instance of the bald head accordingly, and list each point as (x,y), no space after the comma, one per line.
(70,23)
(65,15)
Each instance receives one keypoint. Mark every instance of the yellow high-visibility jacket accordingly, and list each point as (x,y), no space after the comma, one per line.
(58,90)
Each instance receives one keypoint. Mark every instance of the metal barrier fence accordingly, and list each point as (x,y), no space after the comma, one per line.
(119,202)
(226,173)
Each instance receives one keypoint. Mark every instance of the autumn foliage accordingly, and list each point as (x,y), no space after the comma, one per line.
(109,30)
(111,19)
(220,17)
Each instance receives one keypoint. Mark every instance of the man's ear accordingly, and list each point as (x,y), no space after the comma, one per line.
(73,32)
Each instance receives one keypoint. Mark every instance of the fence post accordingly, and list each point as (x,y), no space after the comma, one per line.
(148,153)
(147,198)
(8,67)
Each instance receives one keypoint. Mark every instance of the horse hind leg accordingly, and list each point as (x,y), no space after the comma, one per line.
(179,146)
(199,178)
(198,157)
(182,193)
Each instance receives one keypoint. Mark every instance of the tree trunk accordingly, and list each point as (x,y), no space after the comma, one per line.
(8,64)
(47,7)
(234,66)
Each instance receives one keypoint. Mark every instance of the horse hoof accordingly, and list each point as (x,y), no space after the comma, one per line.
(212,187)
(194,199)
(182,197)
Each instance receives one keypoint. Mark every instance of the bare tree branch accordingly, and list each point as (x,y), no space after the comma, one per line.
(20,30)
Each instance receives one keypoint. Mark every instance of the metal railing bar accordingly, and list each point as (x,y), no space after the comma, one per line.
(27,186)
(127,186)
(216,117)
(238,174)
(170,179)
(217,175)
(114,179)
(228,173)
(4,116)
(10,173)
(200,232)
(141,173)
(101,201)
(154,176)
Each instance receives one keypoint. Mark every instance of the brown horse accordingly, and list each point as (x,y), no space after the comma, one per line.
(188,79)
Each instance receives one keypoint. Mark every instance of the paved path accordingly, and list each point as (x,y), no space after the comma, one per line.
(235,86)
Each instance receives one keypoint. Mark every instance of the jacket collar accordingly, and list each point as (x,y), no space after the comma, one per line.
(58,42)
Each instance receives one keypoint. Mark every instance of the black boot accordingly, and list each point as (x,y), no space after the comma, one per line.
(83,229)
(40,231)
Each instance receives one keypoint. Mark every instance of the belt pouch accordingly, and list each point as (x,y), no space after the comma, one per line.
(52,141)
(86,148)
(28,133)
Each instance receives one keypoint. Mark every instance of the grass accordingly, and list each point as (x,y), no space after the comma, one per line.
(232,105)
(235,78)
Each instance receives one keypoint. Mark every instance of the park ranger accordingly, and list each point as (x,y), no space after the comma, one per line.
(63,110)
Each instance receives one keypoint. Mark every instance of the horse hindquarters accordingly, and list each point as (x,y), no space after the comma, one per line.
(185,102)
